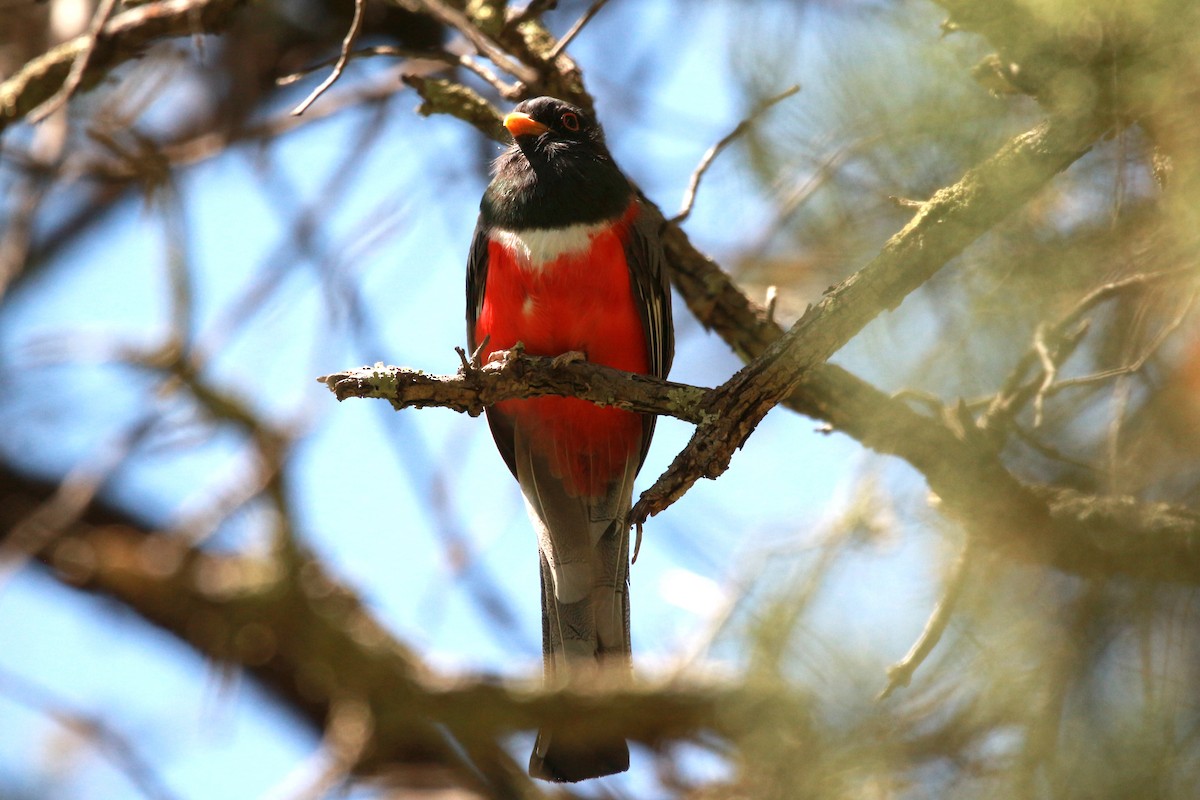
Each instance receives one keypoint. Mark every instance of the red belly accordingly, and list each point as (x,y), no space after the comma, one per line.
(578,302)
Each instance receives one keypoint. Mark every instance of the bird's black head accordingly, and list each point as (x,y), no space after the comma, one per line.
(545,127)
(557,172)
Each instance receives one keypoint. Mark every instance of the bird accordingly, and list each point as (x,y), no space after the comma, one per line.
(567,261)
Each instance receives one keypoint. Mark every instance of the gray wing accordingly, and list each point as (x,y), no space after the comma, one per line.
(477,266)
(652,290)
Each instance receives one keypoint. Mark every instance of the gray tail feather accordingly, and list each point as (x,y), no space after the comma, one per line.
(572,752)
(584,547)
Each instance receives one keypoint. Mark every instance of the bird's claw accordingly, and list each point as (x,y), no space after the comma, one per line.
(569,357)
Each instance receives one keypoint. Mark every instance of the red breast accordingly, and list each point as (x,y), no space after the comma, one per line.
(561,290)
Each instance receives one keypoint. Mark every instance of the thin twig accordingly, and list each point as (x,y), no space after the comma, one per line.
(1139,362)
(1057,342)
(689,197)
(900,674)
(772,300)
(1052,453)
(593,9)
(347,42)
(362,52)
(1049,373)
(482,43)
(79,65)
(790,202)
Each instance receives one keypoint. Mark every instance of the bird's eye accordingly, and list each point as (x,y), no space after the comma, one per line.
(570,121)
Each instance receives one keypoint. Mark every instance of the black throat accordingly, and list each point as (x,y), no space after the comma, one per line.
(543,183)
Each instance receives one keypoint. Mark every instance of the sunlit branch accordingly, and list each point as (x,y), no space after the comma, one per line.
(520,376)
(532,10)
(441,96)
(101,16)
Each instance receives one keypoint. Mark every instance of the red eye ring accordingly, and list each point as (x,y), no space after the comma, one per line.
(570,121)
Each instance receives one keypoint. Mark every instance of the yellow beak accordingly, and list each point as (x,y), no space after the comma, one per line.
(520,124)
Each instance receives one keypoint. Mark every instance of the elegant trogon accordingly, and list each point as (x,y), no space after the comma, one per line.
(566,260)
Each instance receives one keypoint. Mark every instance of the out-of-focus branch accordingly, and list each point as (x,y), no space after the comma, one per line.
(900,674)
(1081,534)
(123,37)
(109,742)
(289,623)
(314,643)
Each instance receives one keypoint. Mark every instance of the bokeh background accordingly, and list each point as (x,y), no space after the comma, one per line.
(180,258)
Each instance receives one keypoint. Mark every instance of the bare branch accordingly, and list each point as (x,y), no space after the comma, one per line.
(1138,362)
(519,375)
(347,43)
(107,740)
(1054,344)
(507,90)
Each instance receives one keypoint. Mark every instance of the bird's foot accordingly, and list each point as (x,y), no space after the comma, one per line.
(506,357)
